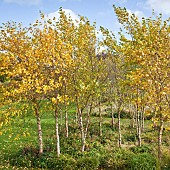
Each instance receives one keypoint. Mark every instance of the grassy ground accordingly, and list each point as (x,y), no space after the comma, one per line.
(22,132)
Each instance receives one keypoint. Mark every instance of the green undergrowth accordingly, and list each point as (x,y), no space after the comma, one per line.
(19,148)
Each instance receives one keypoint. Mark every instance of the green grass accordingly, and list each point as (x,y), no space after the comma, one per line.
(22,132)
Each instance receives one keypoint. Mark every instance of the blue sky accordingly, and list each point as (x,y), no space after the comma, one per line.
(100,11)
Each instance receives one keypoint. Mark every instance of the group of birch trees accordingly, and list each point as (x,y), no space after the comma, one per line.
(58,60)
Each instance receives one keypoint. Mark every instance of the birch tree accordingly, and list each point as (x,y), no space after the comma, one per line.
(147,53)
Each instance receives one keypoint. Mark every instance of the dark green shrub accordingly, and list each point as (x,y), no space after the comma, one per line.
(24,157)
(141,149)
(130,137)
(70,145)
(123,114)
(116,159)
(65,162)
(142,161)
(21,161)
(47,160)
(88,163)
(94,129)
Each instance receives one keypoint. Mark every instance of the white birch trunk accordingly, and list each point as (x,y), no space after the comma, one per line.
(138,126)
(66,121)
(83,140)
(40,140)
(100,120)
(57,133)
(88,120)
(119,129)
(112,114)
(160,131)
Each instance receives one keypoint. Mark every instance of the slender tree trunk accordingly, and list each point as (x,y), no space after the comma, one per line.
(57,133)
(138,118)
(100,119)
(39,130)
(88,119)
(160,131)
(66,121)
(83,140)
(134,118)
(131,112)
(153,120)
(143,119)
(132,121)
(77,116)
(138,125)
(119,129)
(66,112)
(112,113)
(61,119)
(112,110)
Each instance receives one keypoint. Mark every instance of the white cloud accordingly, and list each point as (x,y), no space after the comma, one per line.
(137,13)
(68,12)
(99,34)
(161,6)
(21,2)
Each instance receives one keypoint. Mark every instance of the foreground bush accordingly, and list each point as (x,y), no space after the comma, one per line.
(141,149)
(116,159)
(142,161)
(88,163)
(135,158)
